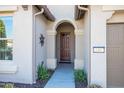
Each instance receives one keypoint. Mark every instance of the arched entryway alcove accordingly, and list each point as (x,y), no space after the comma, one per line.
(65,29)
(65,43)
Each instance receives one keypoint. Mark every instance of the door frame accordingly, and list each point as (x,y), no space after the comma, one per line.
(70,54)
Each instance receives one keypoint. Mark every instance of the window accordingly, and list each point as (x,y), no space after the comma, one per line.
(6,41)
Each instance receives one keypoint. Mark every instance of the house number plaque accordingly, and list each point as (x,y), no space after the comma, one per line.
(98,49)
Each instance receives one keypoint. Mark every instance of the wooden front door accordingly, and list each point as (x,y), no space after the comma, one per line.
(65,54)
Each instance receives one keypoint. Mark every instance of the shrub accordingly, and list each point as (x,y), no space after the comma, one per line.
(42,73)
(8,85)
(95,86)
(80,76)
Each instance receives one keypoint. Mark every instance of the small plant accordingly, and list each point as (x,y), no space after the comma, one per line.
(8,85)
(80,76)
(95,86)
(42,73)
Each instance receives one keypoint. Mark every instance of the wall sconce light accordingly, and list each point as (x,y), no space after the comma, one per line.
(25,7)
(42,40)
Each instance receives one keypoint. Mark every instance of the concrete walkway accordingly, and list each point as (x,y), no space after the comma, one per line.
(63,77)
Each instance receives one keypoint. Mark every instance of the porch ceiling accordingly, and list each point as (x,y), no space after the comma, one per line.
(79,13)
(46,12)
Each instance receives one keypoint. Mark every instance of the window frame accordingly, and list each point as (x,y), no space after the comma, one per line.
(8,15)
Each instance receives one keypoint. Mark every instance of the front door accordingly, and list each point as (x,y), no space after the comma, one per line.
(65,55)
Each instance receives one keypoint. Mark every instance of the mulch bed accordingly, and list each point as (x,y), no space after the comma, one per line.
(80,84)
(38,84)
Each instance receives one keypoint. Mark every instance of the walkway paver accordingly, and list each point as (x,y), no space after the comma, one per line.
(63,77)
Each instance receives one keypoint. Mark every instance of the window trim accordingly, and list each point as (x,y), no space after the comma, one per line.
(8,68)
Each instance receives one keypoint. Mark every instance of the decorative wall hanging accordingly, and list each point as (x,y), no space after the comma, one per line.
(42,39)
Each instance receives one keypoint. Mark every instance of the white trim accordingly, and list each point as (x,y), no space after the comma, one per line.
(114,22)
(8,68)
(78,32)
(51,33)
(57,23)
(2,14)
(6,38)
(6,61)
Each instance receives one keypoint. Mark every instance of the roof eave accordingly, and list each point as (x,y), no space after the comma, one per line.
(46,12)
(79,13)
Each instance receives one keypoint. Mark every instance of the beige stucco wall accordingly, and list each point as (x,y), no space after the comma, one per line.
(22,48)
(86,44)
(59,13)
(98,38)
(39,51)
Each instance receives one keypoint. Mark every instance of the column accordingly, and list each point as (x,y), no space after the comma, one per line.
(98,38)
(51,51)
(78,62)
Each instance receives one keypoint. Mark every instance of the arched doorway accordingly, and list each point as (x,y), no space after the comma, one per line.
(65,43)
(53,44)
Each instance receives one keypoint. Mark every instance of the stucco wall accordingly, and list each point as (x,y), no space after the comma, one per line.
(98,39)
(62,11)
(22,48)
(39,51)
(86,44)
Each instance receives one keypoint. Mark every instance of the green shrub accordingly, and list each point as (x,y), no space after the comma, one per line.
(42,73)
(8,85)
(95,86)
(80,76)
